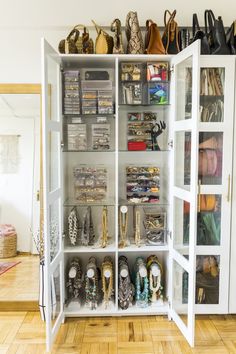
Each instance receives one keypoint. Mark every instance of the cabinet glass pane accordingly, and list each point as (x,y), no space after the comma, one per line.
(184,90)
(210,157)
(53,69)
(54,212)
(212,94)
(55,295)
(181,226)
(207,279)
(54,155)
(180,291)
(183,159)
(209,220)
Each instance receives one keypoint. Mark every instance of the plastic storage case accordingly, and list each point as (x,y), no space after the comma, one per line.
(90,183)
(155,226)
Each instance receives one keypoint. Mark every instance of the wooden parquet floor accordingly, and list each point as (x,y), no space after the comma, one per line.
(24,333)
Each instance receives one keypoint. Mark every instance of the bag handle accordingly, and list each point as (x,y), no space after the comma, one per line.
(210,18)
(98,29)
(74,33)
(195,26)
(172,16)
(81,27)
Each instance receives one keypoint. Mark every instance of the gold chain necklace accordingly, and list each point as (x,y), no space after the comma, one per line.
(123,226)
(104,227)
(107,288)
(137,236)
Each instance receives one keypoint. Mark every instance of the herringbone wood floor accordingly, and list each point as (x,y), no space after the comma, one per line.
(24,333)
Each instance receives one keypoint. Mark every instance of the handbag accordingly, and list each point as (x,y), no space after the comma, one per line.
(118,41)
(231,38)
(184,38)
(104,42)
(68,45)
(199,34)
(170,35)
(153,42)
(133,33)
(84,43)
(216,33)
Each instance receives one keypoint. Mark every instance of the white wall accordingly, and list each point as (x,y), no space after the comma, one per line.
(24,22)
(16,189)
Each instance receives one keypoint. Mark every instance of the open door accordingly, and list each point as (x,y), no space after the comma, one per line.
(184,187)
(52,192)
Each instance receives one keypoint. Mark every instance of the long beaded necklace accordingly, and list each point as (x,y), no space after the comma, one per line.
(87,234)
(75,279)
(141,284)
(155,279)
(73,226)
(123,221)
(107,280)
(126,288)
(91,285)
(104,227)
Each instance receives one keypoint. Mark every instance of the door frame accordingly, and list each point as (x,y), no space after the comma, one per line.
(21,89)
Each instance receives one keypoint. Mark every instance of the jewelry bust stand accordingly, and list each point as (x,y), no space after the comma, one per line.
(74,282)
(123,222)
(107,282)
(126,289)
(141,283)
(155,275)
(91,284)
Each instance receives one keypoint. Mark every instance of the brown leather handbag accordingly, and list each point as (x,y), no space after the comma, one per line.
(84,43)
(171,33)
(104,42)
(153,42)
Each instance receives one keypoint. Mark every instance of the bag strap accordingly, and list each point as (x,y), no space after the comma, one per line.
(171,18)
(74,33)
(81,27)
(209,20)
(98,29)
(195,26)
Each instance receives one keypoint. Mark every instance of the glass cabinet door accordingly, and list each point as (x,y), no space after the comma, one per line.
(184,189)
(216,100)
(52,197)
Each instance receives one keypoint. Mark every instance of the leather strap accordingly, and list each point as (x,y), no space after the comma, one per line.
(172,16)
(195,26)
(209,20)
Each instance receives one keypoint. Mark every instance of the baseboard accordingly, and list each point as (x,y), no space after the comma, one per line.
(19,306)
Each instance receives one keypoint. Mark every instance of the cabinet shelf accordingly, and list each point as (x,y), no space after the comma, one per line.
(150,310)
(145,151)
(70,202)
(90,151)
(89,249)
(143,248)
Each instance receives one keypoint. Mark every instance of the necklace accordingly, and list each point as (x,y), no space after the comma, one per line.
(91,284)
(73,225)
(137,236)
(155,278)
(75,279)
(141,284)
(87,234)
(123,221)
(104,227)
(126,288)
(107,280)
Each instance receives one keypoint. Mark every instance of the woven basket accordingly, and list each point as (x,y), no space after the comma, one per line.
(8,245)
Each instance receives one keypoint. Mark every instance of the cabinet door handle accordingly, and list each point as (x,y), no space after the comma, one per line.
(229,188)
(199,196)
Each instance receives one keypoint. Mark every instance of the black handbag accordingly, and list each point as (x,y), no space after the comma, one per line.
(199,34)
(231,38)
(215,33)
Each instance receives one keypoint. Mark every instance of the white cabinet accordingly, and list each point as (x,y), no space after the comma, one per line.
(116,190)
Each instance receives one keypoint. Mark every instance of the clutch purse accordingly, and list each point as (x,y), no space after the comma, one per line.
(96,75)
(136,146)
